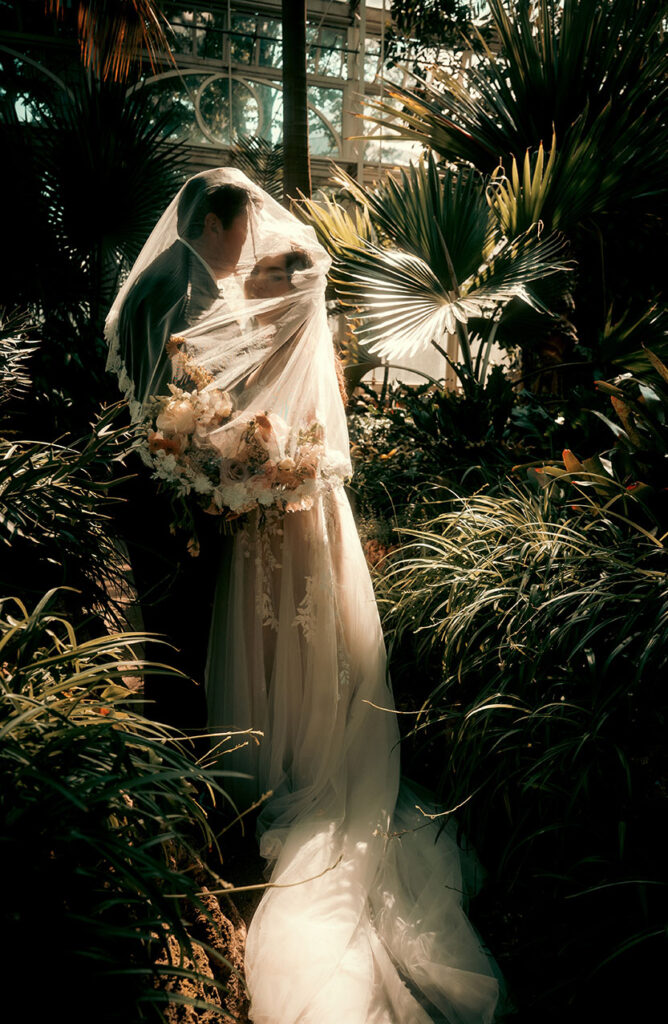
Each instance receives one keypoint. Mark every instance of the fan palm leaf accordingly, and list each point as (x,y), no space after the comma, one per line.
(439,214)
(402,304)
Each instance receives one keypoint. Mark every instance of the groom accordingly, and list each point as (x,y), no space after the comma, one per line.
(175,590)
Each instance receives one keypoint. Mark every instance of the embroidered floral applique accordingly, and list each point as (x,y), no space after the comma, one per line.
(265,565)
(306,615)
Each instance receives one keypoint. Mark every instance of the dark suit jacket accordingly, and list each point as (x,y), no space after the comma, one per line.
(175,591)
(169,296)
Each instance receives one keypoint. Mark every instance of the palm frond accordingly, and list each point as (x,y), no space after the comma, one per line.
(262,161)
(579,72)
(437,213)
(402,305)
(335,225)
(114,36)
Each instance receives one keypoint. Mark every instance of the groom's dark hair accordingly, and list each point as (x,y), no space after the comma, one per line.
(198,199)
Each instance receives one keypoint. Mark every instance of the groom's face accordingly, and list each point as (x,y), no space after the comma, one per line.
(225,244)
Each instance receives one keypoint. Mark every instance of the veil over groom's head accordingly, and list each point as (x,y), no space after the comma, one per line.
(198,197)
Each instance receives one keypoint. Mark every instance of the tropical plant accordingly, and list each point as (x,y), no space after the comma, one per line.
(104,817)
(262,161)
(88,175)
(543,634)
(629,480)
(113,38)
(424,262)
(588,80)
(445,263)
(55,498)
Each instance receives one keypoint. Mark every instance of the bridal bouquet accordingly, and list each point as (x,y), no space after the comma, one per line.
(230,464)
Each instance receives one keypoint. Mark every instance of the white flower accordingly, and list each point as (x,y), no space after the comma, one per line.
(213,407)
(202,484)
(235,496)
(178,417)
(167,467)
(265,497)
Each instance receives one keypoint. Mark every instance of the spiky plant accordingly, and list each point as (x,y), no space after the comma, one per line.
(445,263)
(544,638)
(104,816)
(55,500)
(262,161)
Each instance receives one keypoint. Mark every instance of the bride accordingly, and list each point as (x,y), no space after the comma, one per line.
(363,922)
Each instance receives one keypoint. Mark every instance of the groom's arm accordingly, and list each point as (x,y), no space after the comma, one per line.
(152,312)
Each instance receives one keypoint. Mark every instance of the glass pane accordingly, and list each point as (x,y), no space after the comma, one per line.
(209,37)
(215,110)
(330,103)
(176,97)
(270,46)
(332,55)
(242,40)
(311,49)
(270,111)
(371,59)
(182,40)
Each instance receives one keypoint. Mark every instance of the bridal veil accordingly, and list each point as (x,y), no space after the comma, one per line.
(365,920)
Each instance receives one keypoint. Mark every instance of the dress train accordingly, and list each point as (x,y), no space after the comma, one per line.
(364,922)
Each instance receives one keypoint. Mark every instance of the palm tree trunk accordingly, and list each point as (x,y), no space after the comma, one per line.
(297,175)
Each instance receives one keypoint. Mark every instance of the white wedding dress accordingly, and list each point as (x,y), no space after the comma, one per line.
(364,921)
(297,652)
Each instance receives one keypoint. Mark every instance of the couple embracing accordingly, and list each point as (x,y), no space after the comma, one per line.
(364,921)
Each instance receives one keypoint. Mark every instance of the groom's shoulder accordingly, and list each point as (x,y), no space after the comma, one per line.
(164,278)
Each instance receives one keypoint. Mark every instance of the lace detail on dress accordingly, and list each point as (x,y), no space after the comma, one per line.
(306,616)
(266,564)
(125,383)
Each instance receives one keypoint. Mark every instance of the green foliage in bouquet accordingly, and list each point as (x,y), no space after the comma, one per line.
(546,630)
(103,816)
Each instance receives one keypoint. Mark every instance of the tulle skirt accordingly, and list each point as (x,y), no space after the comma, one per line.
(365,921)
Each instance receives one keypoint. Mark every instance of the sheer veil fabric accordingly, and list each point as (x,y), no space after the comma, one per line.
(365,922)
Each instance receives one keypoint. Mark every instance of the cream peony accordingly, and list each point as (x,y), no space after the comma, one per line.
(178,417)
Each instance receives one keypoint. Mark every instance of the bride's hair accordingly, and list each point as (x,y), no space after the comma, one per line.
(196,200)
(297,259)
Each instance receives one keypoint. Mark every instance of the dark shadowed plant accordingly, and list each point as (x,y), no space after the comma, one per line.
(55,498)
(88,171)
(630,480)
(104,816)
(547,633)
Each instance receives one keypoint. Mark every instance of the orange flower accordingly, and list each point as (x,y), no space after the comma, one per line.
(156,442)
